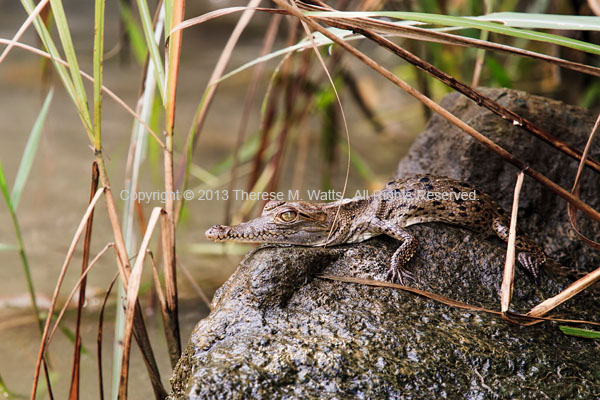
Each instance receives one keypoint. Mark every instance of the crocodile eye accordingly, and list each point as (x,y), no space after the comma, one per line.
(288,216)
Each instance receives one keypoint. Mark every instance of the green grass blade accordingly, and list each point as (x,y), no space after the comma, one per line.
(7,247)
(4,189)
(168,16)
(29,153)
(67,43)
(7,394)
(584,333)
(152,46)
(61,70)
(135,33)
(467,22)
(21,248)
(117,340)
(98,60)
(544,21)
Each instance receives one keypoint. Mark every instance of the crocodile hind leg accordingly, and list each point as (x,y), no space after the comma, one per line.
(530,256)
(403,254)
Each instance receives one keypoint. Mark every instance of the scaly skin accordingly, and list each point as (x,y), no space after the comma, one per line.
(403,202)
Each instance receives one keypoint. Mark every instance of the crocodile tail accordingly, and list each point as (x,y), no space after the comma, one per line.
(561,270)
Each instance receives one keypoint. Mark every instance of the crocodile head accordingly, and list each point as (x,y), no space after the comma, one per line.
(281,222)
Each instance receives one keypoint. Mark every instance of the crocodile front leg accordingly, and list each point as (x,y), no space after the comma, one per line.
(403,254)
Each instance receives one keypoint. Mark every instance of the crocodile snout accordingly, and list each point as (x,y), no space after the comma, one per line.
(217,232)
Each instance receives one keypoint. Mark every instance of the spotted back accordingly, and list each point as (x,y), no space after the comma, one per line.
(427,198)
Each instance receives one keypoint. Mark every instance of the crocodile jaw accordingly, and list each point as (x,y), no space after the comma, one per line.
(222,233)
(243,233)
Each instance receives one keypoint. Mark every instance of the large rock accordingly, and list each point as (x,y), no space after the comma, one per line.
(277,331)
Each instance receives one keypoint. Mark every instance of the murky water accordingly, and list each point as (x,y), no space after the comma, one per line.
(57,191)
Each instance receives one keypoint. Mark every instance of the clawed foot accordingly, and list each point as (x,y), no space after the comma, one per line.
(531,262)
(397,275)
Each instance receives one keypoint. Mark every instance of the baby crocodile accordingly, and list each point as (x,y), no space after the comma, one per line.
(403,202)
